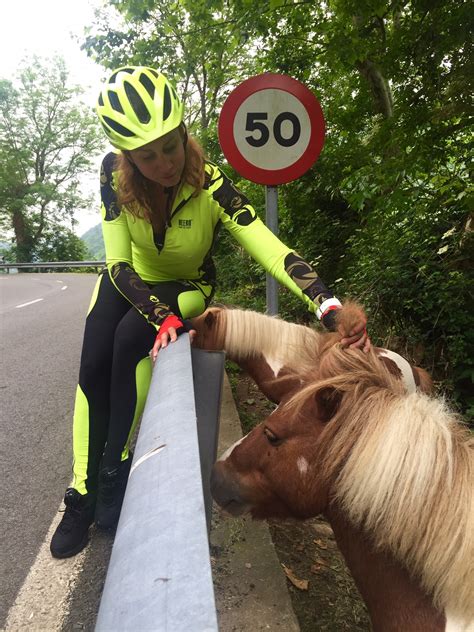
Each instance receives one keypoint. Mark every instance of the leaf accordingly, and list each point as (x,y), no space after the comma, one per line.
(301,584)
(448,233)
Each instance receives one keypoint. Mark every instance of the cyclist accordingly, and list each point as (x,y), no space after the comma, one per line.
(162,206)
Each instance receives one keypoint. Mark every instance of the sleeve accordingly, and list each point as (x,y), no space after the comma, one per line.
(284,264)
(118,251)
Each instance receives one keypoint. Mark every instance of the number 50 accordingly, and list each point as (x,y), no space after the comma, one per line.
(254,124)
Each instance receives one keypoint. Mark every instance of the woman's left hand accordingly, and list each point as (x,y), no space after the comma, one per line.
(357,337)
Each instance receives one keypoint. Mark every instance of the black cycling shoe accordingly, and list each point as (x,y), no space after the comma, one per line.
(112,485)
(72,533)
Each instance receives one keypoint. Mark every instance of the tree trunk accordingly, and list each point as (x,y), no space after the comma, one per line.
(379,87)
(24,245)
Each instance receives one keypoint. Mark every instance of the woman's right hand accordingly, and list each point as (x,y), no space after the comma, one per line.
(170,329)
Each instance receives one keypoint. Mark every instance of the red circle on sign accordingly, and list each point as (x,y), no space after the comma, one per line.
(226,129)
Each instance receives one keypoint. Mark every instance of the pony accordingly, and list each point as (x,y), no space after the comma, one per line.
(390,467)
(274,352)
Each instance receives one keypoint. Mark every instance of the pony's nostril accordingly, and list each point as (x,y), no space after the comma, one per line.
(225,489)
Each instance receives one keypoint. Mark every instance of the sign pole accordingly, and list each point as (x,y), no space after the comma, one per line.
(271,220)
(271,130)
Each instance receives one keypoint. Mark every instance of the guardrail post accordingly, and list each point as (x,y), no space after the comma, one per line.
(159,575)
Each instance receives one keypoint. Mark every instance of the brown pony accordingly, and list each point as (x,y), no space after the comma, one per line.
(390,469)
(269,348)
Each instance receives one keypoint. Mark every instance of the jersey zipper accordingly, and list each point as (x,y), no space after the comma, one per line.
(160,239)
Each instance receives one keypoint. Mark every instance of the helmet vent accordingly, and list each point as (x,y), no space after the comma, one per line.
(148,84)
(101,100)
(166,103)
(114,101)
(120,129)
(153,72)
(129,70)
(137,103)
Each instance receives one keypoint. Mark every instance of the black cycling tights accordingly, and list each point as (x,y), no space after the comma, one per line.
(115,374)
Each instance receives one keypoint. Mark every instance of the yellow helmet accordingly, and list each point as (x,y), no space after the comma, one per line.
(138,105)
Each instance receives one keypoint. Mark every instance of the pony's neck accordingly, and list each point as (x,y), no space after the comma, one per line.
(264,376)
(395,602)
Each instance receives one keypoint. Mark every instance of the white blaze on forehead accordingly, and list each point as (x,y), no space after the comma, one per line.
(302,464)
(229,451)
(405,368)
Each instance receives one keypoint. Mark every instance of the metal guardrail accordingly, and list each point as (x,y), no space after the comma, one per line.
(159,575)
(41,265)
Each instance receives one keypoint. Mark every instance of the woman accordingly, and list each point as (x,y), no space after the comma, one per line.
(162,206)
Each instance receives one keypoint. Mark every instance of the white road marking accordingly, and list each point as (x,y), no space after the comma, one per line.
(29,303)
(41,603)
(64,287)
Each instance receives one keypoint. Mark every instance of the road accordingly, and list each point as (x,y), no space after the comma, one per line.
(41,325)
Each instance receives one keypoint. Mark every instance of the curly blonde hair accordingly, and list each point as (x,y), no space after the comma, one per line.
(137,195)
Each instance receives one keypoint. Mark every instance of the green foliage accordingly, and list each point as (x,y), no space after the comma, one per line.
(94,243)
(193,43)
(47,140)
(385,213)
(59,244)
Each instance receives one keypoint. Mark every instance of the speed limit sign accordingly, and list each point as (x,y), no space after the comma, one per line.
(271,129)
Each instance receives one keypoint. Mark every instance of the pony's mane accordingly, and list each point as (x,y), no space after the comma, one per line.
(401,467)
(249,333)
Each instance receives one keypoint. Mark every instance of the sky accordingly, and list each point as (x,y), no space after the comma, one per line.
(46,28)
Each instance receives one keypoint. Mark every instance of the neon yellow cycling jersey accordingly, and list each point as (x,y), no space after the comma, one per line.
(137,257)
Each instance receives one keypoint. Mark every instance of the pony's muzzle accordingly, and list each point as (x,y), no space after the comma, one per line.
(226,491)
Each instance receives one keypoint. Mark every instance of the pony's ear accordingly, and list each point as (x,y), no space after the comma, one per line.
(209,319)
(327,402)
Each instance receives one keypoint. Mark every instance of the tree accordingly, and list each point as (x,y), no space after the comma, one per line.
(48,138)
(385,213)
(58,243)
(192,41)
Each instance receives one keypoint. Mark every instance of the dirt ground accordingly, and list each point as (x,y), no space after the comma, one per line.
(322,591)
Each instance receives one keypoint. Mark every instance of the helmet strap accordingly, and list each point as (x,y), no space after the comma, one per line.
(184,133)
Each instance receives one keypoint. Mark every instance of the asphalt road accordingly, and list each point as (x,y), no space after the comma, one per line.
(41,326)
(40,346)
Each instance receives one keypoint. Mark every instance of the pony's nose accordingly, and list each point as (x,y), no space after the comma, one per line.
(225,490)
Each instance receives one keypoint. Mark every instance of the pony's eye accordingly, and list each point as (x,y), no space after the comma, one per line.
(271,436)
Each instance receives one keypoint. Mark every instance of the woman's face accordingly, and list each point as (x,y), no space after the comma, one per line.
(162,160)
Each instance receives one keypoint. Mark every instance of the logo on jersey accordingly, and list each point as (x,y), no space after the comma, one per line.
(236,202)
(185,223)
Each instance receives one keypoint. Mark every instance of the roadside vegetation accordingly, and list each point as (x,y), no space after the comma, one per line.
(385,215)
(48,140)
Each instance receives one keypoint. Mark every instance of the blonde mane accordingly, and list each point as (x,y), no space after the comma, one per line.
(401,467)
(249,333)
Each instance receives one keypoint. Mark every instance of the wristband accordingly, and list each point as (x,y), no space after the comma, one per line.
(328,310)
(326,306)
